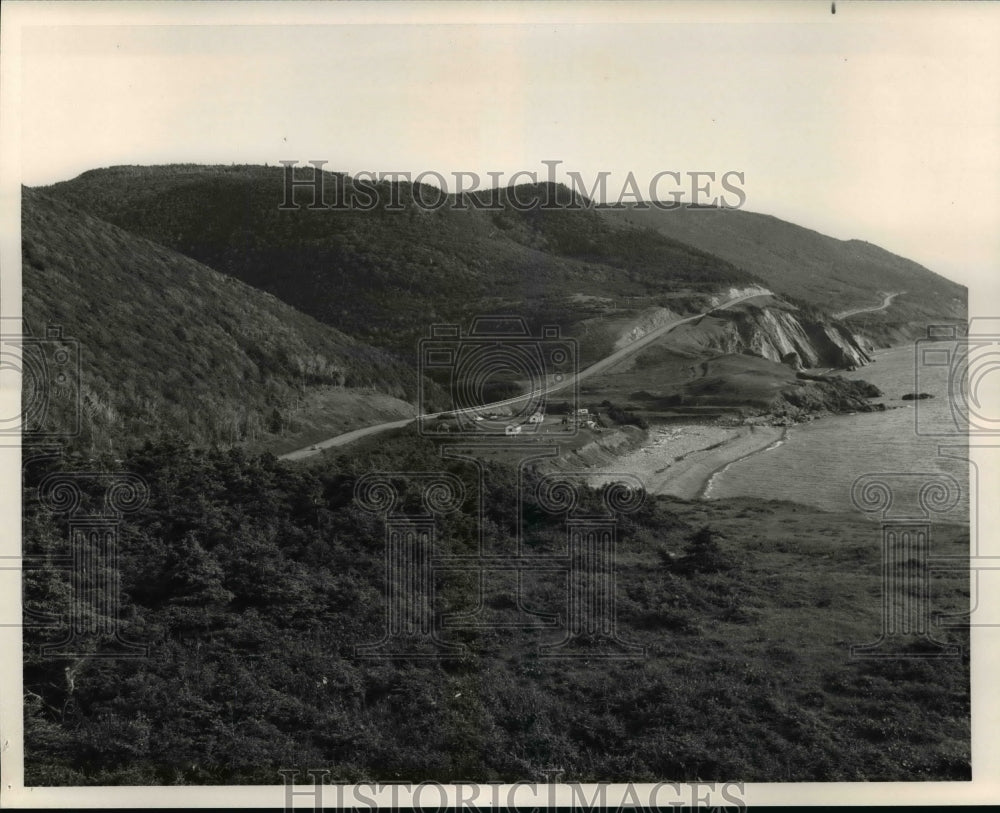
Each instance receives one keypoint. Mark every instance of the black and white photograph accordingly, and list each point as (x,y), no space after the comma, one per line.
(497,404)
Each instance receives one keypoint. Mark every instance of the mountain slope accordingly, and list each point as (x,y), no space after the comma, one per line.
(169,344)
(386,275)
(835,275)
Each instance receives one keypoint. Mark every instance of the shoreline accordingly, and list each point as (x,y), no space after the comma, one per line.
(688,459)
(706,492)
(681,460)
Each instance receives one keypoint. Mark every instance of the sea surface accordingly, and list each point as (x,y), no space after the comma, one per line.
(818,462)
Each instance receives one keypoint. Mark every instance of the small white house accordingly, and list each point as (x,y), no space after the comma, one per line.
(538,417)
(512,429)
(582,411)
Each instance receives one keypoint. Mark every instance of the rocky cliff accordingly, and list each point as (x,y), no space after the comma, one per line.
(776,331)
(810,395)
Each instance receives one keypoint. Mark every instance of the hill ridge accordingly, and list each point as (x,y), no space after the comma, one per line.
(402,269)
(808,266)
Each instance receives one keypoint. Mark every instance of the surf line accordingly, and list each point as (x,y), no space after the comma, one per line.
(706,491)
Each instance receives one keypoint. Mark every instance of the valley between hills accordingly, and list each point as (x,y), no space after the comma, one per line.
(253,365)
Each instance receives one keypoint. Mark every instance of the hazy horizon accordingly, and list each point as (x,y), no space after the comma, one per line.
(877,123)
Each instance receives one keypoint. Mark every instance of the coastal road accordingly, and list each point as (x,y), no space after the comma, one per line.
(546,389)
(885,304)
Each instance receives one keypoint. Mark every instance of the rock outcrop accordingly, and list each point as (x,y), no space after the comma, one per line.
(792,360)
(813,394)
(775,332)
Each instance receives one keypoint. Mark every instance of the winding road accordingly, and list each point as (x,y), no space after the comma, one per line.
(885,304)
(547,389)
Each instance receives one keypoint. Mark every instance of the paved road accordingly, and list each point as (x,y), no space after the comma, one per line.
(547,389)
(885,304)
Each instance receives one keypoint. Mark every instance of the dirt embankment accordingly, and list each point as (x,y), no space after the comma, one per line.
(601,452)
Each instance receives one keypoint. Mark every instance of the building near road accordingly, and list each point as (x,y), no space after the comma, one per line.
(512,429)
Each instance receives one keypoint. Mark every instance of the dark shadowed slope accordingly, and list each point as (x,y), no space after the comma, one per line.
(168,344)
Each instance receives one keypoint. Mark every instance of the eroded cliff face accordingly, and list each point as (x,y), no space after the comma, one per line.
(768,328)
(776,332)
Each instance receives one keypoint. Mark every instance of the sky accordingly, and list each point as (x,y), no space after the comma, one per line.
(879,122)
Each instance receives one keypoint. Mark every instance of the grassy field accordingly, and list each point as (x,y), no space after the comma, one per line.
(749,672)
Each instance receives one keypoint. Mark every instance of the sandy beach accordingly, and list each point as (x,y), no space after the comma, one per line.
(680,459)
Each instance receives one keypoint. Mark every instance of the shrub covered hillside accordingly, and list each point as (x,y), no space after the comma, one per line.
(252,582)
(386,273)
(168,344)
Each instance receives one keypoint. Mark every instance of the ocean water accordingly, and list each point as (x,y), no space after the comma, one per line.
(817,463)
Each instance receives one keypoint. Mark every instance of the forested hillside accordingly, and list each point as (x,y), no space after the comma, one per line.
(166,343)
